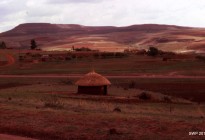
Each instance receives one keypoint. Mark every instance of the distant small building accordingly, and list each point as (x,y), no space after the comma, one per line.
(93,83)
(45,57)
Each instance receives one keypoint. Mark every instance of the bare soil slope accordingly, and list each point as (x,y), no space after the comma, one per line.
(106,38)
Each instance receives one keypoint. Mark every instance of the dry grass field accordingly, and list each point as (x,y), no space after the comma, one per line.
(149,98)
(47,109)
(81,63)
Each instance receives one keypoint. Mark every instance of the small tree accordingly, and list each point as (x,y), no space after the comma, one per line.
(153,51)
(2,45)
(33,44)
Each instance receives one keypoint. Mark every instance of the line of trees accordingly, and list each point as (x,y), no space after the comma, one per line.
(33,44)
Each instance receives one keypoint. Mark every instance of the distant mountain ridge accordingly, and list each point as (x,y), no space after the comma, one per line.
(31,28)
(63,36)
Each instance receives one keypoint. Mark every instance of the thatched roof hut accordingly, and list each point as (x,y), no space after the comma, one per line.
(93,83)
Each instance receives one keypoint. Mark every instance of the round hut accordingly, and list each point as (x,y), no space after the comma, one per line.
(93,83)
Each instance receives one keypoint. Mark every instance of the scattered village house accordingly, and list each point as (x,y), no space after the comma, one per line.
(93,83)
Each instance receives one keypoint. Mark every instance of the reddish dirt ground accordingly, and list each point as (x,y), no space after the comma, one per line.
(10,60)
(81,126)
(12,137)
(108,76)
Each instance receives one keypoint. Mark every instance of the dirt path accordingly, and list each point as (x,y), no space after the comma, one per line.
(12,137)
(108,76)
(10,60)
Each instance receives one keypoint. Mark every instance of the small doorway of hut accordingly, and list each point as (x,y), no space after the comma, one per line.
(105,90)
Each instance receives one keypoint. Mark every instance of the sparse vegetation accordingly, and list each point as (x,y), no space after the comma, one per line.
(41,97)
(108,55)
(80,113)
(144,96)
(146,93)
(66,82)
(51,108)
(120,55)
(201,58)
(132,84)
(53,101)
(33,44)
(152,51)
(167,99)
(117,109)
(3,45)
(82,49)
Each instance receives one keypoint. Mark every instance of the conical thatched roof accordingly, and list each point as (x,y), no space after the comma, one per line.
(93,79)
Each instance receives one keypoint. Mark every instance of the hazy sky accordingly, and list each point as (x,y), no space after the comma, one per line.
(102,12)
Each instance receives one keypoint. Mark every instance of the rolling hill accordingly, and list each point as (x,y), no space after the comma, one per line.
(106,38)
